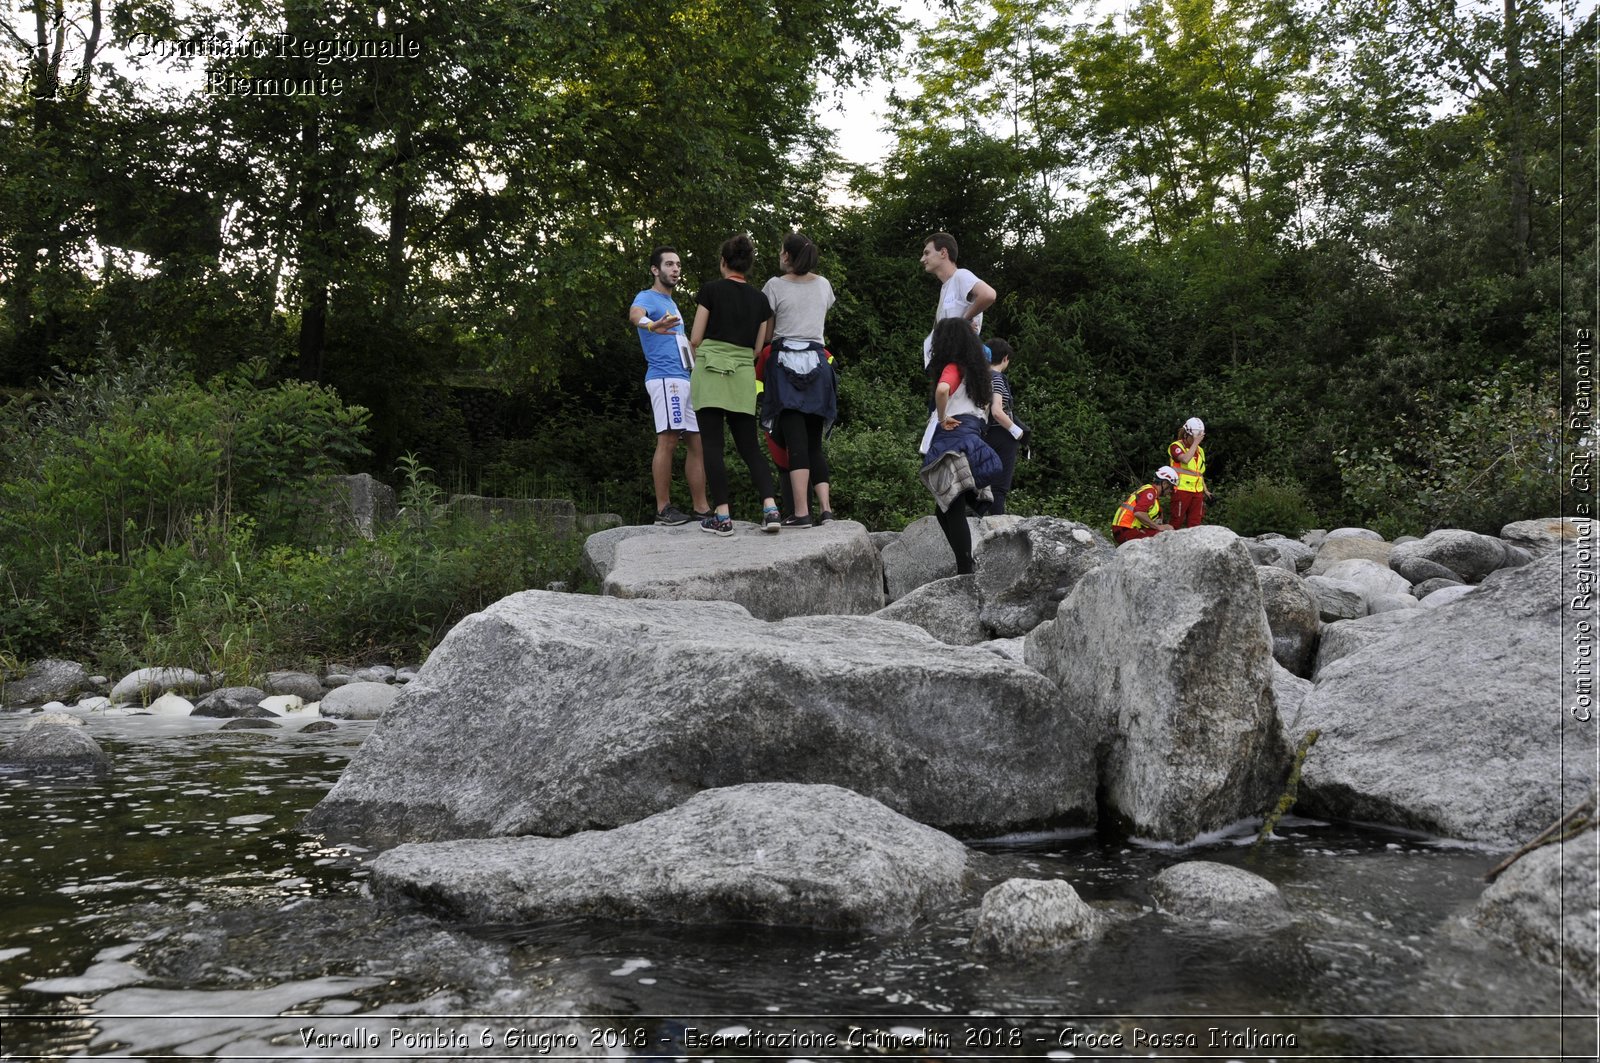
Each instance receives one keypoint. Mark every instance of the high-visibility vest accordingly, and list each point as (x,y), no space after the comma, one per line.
(1191,477)
(1125,511)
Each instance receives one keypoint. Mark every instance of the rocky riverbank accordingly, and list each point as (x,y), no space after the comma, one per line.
(1158,689)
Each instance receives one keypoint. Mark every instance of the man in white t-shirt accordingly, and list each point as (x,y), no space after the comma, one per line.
(961,294)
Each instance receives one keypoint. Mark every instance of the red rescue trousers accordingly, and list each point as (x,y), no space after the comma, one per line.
(1123,535)
(1188,509)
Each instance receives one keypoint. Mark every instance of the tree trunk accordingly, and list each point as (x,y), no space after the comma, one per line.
(1516,155)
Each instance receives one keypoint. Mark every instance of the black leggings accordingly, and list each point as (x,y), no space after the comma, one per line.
(743,427)
(1005,446)
(802,437)
(956,531)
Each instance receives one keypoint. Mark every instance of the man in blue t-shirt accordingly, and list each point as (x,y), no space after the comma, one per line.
(667,360)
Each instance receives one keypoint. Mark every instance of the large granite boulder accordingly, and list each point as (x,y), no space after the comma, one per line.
(1292,617)
(1548,535)
(1203,890)
(1166,651)
(1448,723)
(46,680)
(1347,636)
(56,742)
(1388,603)
(1337,599)
(1337,548)
(1469,555)
(1290,691)
(553,713)
(1024,917)
(1374,579)
(1418,569)
(775,853)
(832,570)
(947,609)
(919,555)
(1544,906)
(1353,533)
(1447,595)
(1027,567)
(1291,554)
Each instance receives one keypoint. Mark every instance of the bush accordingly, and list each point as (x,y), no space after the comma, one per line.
(1265,504)
(1478,466)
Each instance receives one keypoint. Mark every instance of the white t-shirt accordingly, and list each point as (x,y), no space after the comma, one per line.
(954,295)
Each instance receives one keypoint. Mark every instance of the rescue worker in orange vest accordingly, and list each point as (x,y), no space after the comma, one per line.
(1188,457)
(1139,516)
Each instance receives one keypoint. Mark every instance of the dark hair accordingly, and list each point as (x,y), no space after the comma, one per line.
(955,344)
(739,253)
(655,256)
(802,253)
(999,350)
(944,242)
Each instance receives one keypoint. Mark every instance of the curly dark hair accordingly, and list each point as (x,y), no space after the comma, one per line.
(954,343)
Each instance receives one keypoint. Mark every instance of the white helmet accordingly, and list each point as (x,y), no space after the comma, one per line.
(1167,473)
(1194,424)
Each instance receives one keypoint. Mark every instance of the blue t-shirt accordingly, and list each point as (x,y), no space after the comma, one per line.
(660,348)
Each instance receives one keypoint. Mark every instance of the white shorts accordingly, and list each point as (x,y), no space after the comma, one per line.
(669,398)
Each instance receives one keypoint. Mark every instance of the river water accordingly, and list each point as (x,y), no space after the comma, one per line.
(173,909)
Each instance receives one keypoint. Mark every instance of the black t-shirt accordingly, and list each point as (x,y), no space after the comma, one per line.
(737,311)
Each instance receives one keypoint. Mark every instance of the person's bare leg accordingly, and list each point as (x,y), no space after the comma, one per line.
(694,471)
(823,502)
(661,468)
(800,483)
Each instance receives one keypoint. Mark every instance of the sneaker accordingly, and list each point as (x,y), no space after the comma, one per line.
(822,518)
(769,520)
(702,514)
(797,521)
(716,525)
(672,516)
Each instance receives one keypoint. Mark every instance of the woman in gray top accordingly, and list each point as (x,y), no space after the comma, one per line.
(799,380)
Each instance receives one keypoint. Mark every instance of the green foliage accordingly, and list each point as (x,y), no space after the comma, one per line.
(1477,465)
(1264,504)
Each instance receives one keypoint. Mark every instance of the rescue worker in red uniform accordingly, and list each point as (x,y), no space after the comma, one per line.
(1188,457)
(1139,515)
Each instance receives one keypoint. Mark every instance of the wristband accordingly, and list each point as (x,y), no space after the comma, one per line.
(646,323)
(1016,430)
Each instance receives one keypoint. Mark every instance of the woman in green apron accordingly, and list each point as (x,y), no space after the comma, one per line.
(730,325)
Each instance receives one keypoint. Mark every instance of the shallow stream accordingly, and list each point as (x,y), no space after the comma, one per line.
(173,908)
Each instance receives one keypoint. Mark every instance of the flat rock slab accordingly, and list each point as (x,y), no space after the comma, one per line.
(553,713)
(833,569)
(773,853)
(1450,722)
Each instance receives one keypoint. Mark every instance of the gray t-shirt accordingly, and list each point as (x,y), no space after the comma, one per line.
(799,308)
